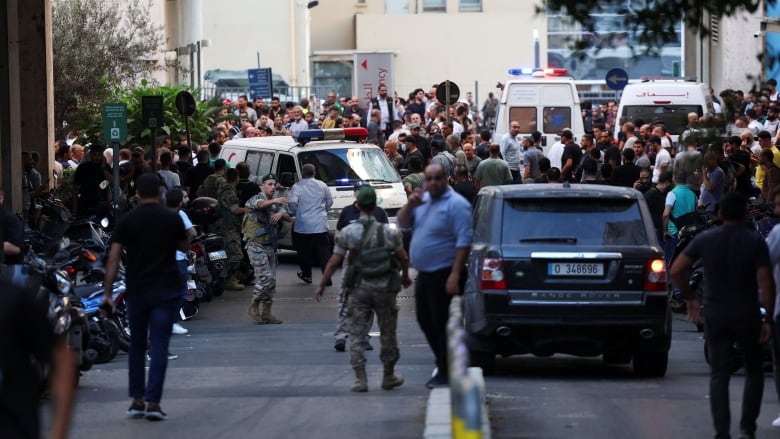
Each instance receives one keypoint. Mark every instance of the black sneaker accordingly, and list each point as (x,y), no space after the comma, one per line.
(367,346)
(340,345)
(137,410)
(438,381)
(155,413)
(306,279)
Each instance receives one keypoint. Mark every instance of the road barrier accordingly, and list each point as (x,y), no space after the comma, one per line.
(467,387)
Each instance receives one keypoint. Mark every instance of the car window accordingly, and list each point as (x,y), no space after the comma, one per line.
(345,166)
(579,221)
(259,164)
(478,222)
(673,117)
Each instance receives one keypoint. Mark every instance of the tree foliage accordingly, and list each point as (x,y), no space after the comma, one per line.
(200,123)
(98,47)
(651,23)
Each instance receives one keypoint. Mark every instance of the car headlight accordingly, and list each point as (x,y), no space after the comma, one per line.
(334,213)
(63,282)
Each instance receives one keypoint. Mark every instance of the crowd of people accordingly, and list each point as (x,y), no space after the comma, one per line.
(447,153)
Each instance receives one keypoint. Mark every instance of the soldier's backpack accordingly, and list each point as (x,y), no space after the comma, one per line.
(373,262)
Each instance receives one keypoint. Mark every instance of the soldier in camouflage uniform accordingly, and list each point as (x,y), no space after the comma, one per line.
(212,185)
(229,214)
(267,212)
(370,294)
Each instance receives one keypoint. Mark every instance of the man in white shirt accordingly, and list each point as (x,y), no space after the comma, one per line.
(663,160)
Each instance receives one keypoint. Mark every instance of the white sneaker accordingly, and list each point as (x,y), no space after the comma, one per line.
(179,329)
(776,422)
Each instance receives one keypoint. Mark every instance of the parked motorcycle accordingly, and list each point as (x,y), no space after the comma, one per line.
(211,263)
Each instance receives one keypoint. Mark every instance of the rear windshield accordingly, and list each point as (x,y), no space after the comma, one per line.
(673,117)
(585,221)
(345,166)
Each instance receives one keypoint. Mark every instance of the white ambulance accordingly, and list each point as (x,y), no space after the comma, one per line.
(544,100)
(667,101)
(340,158)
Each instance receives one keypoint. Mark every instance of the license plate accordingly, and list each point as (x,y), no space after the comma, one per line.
(574,269)
(191,285)
(217,255)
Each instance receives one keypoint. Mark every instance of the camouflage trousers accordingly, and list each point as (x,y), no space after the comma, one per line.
(362,302)
(263,260)
(343,325)
(232,247)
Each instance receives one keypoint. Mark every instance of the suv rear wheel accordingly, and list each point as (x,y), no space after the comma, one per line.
(484,360)
(650,362)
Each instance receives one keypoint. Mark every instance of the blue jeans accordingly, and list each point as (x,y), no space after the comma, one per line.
(152,313)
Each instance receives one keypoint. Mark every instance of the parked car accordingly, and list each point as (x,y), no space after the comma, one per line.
(573,269)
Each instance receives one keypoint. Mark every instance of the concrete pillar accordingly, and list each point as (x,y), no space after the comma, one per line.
(26,91)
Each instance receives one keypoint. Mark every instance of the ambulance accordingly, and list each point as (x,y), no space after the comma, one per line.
(340,158)
(664,100)
(544,100)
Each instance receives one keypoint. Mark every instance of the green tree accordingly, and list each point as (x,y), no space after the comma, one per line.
(201,123)
(98,47)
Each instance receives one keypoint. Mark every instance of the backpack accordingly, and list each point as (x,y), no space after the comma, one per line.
(373,262)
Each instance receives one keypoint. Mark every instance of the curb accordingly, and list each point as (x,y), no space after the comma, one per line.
(438,416)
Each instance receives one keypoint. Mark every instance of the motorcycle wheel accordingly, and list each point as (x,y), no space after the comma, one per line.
(107,341)
(218,287)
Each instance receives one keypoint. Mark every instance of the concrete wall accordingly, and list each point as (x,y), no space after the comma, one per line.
(26,91)
(736,54)
(453,46)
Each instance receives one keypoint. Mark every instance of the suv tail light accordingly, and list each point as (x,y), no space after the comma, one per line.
(656,275)
(491,276)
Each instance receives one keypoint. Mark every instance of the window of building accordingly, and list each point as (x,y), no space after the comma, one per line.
(396,7)
(613,44)
(470,5)
(434,5)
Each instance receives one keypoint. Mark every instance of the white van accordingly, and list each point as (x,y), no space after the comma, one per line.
(541,100)
(340,158)
(664,100)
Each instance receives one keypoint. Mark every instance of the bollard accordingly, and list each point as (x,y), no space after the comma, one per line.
(466,391)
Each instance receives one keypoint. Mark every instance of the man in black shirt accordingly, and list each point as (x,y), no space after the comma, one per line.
(246,189)
(154,290)
(572,156)
(628,173)
(349,215)
(737,267)
(28,336)
(741,158)
(86,181)
(199,172)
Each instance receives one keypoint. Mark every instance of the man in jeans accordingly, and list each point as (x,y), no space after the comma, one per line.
(440,219)
(154,290)
(737,267)
(310,200)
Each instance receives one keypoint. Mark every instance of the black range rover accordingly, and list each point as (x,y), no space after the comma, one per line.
(566,269)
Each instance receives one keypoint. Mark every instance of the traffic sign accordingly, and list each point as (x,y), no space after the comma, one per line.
(152,111)
(185,103)
(447,92)
(617,79)
(260,83)
(114,122)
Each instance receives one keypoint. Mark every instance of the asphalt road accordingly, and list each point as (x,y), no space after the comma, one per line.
(235,379)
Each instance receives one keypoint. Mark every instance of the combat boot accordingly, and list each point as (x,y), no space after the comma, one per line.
(233,284)
(267,317)
(254,312)
(361,381)
(390,380)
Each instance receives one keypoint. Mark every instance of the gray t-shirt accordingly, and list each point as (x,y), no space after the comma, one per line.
(493,172)
(531,158)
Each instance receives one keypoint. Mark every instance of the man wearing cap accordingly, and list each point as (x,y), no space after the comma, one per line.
(371,294)
(268,211)
(349,215)
(154,290)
